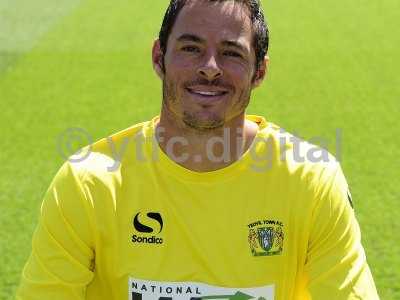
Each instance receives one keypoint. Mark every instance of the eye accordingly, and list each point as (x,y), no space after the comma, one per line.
(191,49)
(232,53)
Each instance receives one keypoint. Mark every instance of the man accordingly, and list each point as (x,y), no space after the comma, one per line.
(203,202)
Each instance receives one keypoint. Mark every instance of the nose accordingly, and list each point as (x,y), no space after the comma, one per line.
(210,69)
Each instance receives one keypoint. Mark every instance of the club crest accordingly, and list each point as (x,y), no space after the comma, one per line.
(266,238)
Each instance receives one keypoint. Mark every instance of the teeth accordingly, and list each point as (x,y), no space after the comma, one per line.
(208,93)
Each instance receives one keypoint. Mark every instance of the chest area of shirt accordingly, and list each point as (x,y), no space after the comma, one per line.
(187,234)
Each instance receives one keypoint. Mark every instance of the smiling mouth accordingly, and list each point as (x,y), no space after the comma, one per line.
(206,94)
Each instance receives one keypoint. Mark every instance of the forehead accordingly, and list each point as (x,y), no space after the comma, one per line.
(218,19)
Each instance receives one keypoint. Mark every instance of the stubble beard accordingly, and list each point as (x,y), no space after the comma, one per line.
(192,119)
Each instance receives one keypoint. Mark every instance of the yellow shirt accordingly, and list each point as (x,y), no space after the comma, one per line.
(128,222)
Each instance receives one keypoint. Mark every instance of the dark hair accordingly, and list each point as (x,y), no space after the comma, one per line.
(260,28)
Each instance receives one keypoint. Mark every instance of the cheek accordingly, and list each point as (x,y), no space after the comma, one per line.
(181,63)
(179,70)
(239,72)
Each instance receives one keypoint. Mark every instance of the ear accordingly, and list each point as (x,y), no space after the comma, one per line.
(157,58)
(261,72)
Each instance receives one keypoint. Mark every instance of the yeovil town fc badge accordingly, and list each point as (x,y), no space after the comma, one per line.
(266,237)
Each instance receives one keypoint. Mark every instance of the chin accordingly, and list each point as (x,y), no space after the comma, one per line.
(203,121)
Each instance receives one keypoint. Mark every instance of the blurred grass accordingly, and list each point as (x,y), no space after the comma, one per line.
(333,65)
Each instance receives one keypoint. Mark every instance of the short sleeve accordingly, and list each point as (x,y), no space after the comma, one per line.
(60,264)
(336,265)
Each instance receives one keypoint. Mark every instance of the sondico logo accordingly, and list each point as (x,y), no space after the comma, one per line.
(147,229)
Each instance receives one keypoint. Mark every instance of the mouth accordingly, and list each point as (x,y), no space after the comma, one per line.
(205,95)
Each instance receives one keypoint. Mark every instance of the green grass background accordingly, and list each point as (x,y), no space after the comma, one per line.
(334,64)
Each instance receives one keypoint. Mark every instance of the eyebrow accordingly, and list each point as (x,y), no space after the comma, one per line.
(187,37)
(235,45)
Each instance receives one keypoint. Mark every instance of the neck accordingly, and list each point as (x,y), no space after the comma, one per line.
(204,151)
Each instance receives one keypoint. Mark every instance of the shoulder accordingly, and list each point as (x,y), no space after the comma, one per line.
(105,156)
(313,179)
(295,154)
(312,170)
(97,168)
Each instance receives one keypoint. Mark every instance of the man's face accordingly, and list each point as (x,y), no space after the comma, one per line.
(209,64)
